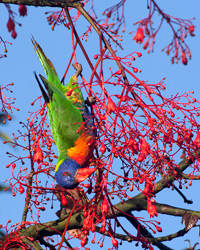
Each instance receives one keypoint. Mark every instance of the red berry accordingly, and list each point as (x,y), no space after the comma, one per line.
(14,34)
(159,229)
(38,155)
(191,30)
(114,242)
(111,107)
(41,112)
(103,149)
(109,14)
(21,189)
(69,92)
(64,200)
(135,70)
(9,118)
(10,25)
(184,59)
(119,72)
(105,206)
(84,241)
(139,36)
(124,98)
(197,140)
(117,58)
(85,214)
(42,208)
(103,229)
(22,10)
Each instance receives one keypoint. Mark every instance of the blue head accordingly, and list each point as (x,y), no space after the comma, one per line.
(66,174)
(69,174)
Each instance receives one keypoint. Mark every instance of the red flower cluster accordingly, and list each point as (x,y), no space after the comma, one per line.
(151,209)
(11,27)
(148,187)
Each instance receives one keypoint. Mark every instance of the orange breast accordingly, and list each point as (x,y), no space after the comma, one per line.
(82,150)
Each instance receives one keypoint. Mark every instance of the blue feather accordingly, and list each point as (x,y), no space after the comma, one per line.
(66,174)
(89,120)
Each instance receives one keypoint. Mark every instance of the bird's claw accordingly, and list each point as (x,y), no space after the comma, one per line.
(91,100)
(78,68)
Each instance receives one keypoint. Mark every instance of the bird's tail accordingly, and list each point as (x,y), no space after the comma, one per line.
(47,65)
(46,97)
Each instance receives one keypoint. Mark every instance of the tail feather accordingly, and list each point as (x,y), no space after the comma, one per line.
(47,65)
(72,90)
(76,96)
(46,98)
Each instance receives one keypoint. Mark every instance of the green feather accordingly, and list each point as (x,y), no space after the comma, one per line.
(76,96)
(65,119)
(65,105)
(47,65)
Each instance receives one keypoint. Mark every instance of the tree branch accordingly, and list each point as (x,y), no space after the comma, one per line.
(183,196)
(169,237)
(44,3)
(34,245)
(145,232)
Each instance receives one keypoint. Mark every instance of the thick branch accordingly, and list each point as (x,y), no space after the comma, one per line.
(52,227)
(35,245)
(44,3)
(175,211)
(136,204)
(57,226)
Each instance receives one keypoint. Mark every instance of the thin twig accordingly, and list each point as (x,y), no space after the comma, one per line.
(183,196)
(29,188)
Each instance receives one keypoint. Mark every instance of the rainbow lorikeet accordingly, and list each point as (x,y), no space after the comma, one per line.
(71,124)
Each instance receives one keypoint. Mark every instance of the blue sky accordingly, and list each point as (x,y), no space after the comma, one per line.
(18,67)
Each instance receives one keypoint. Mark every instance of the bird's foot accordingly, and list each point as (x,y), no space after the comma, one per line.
(91,100)
(78,68)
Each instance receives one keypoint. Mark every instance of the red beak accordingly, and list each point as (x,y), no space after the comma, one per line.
(84,173)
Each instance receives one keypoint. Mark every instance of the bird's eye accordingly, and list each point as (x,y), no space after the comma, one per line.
(66,173)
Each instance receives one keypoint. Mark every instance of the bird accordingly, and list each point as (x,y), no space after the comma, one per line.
(70,121)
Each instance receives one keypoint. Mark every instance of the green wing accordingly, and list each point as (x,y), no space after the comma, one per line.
(65,119)
(66,105)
